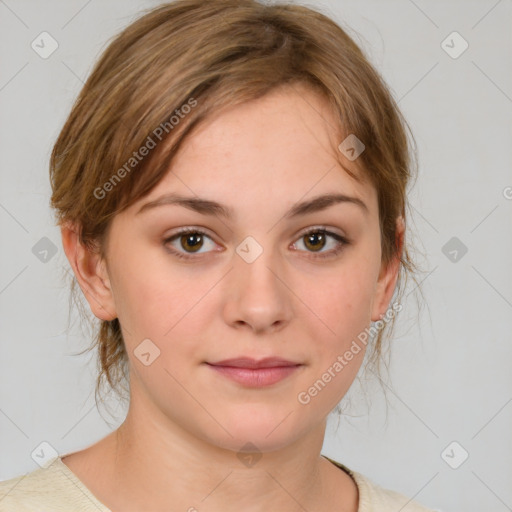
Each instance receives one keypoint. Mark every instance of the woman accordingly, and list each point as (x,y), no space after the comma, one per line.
(231,191)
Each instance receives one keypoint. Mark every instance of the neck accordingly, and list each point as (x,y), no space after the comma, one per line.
(154,464)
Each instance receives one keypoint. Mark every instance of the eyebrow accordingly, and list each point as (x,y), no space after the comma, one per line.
(209,207)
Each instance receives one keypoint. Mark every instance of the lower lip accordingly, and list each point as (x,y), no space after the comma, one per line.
(256,377)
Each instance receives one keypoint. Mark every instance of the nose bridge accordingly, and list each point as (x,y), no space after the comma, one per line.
(254,265)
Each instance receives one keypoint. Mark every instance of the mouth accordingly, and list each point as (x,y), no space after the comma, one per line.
(255,373)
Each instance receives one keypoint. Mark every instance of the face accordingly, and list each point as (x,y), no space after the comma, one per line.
(262,281)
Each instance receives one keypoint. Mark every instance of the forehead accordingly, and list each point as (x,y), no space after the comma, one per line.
(280,148)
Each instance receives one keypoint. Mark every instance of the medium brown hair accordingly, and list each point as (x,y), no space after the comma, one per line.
(210,55)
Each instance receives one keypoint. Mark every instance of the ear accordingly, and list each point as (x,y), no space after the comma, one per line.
(91,273)
(388,276)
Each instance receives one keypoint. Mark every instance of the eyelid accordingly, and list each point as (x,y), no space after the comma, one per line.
(321,227)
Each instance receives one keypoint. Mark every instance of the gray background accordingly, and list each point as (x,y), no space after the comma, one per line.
(450,360)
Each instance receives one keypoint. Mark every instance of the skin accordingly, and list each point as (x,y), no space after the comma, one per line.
(186,423)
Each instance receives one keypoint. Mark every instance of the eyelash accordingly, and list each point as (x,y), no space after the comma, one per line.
(341,240)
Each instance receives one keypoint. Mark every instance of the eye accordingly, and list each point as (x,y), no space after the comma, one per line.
(190,239)
(317,239)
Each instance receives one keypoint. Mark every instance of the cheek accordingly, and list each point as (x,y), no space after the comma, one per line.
(152,294)
(344,298)
(343,304)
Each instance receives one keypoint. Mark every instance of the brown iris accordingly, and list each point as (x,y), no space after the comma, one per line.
(315,240)
(192,240)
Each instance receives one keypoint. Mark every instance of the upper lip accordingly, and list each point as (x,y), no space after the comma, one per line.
(247,362)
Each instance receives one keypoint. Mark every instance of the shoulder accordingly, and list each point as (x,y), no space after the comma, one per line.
(52,488)
(383,500)
(43,487)
(374,498)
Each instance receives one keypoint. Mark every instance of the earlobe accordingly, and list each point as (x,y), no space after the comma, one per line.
(91,273)
(388,276)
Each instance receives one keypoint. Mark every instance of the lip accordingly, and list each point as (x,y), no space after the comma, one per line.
(255,373)
(249,362)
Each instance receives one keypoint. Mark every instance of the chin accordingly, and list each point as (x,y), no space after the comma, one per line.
(257,433)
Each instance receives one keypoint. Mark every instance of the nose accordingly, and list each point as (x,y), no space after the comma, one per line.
(257,297)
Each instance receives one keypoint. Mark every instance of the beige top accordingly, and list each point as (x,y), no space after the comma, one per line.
(55,488)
